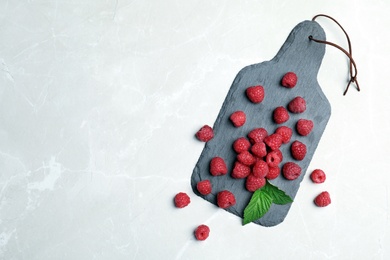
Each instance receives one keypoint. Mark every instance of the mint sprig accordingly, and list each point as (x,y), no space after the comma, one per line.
(261,202)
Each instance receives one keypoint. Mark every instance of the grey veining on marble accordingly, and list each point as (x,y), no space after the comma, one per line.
(99,103)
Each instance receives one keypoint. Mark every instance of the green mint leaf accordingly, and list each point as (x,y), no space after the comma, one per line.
(258,205)
(278,196)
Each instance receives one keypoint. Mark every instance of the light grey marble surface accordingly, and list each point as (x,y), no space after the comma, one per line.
(99,102)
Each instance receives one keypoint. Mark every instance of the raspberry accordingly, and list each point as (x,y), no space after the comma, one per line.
(240,170)
(285,132)
(225,199)
(241,144)
(318,176)
(255,94)
(182,200)
(260,169)
(238,118)
(259,149)
(246,158)
(273,141)
(273,173)
(289,80)
(291,170)
(279,153)
(297,105)
(304,126)
(298,150)
(280,115)
(202,232)
(322,199)
(273,159)
(254,183)
(218,166)
(204,187)
(205,134)
(257,135)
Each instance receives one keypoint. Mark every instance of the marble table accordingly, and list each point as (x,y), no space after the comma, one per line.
(99,103)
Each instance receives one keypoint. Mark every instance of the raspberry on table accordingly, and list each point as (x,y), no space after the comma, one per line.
(285,132)
(289,80)
(280,115)
(254,183)
(297,105)
(255,94)
(202,232)
(322,199)
(205,134)
(240,170)
(241,144)
(273,141)
(304,126)
(273,159)
(318,176)
(218,166)
(182,200)
(259,149)
(257,135)
(246,158)
(260,169)
(273,173)
(298,150)
(225,199)
(291,170)
(204,187)
(238,118)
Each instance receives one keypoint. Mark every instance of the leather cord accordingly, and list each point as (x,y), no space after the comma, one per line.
(352,64)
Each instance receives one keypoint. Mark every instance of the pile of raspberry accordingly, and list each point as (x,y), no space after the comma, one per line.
(258,154)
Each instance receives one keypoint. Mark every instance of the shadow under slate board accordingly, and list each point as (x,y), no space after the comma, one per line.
(301,56)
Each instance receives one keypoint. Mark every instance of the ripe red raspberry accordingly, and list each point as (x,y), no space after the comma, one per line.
(259,149)
(291,171)
(255,94)
(304,126)
(218,166)
(280,115)
(297,105)
(182,200)
(298,150)
(202,232)
(289,80)
(260,169)
(254,183)
(318,176)
(322,199)
(238,118)
(205,134)
(273,173)
(204,187)
(285,132)
(279,153)
(273,159)
(246,158)
(240,170)
(241,144)
(257,135)
(273,141)
(225,199)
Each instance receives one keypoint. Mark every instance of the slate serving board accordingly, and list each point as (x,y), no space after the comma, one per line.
(300,55)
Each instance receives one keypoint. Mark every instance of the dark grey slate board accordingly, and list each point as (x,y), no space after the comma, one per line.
(300,55)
